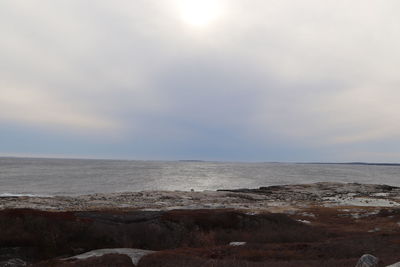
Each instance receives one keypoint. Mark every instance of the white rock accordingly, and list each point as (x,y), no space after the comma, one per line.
(304,221)
(361,202)
(381,194)
(236,244)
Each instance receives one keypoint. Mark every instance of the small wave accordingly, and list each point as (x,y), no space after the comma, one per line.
(21,195)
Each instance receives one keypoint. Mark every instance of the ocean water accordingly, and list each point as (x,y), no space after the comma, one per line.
(29,176)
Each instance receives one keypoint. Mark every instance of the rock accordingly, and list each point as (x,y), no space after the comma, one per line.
(304,221)
(237,244)
(397,264)
(105,260)
(367,260)
(13,263)
(134,254)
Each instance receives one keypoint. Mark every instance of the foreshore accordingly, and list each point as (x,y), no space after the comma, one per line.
(321,224)
(272,198)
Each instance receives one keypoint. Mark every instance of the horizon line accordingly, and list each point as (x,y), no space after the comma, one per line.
(66,157)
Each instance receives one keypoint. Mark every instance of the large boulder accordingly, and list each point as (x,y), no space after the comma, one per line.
(367,260)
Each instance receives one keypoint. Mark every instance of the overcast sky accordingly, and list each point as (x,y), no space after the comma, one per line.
(259,80)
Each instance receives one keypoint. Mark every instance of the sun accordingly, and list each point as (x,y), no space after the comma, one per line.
(200,13)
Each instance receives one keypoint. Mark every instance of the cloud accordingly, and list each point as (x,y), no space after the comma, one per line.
(333,64)
(64,64)
(307,73)
(345,116)
(38,108)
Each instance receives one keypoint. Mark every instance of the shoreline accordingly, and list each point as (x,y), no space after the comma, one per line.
(271,198)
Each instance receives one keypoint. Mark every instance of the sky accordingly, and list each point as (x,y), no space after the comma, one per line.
(230,80)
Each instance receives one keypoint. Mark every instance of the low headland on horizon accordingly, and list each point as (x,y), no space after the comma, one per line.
(63,157)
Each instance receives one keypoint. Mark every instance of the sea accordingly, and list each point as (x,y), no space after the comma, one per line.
(71,177)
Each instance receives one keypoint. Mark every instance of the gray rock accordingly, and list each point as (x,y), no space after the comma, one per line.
(367,260)
(397,264)
(134,254)
(13,263)
(237,244)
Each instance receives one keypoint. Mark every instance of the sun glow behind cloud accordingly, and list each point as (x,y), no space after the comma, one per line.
(200,13)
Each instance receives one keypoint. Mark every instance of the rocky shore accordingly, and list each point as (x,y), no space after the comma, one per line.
(272,198)
(322,224)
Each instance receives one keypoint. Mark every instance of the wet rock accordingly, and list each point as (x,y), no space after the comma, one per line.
(386,188)
(367,260)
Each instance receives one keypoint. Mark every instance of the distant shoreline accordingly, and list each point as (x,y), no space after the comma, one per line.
(355,163)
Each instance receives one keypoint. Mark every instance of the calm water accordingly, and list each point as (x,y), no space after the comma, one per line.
(76,177)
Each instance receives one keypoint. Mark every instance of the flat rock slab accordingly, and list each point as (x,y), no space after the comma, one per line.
(134,254)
